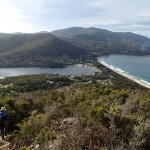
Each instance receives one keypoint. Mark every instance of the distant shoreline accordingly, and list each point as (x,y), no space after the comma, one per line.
(123,73)
(69,70)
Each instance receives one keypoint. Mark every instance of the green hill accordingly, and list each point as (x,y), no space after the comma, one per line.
(39,49)
(105,42)
(46,50)
(112,114)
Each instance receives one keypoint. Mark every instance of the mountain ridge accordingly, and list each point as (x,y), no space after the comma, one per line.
(66,45)
(105,42)
(35,49)
(80,30)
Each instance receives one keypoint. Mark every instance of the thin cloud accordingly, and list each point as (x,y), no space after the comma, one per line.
(48,15)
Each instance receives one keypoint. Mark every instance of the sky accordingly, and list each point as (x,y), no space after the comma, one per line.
(30,16)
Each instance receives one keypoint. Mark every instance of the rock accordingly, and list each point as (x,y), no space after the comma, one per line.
(69,123)
(4,145)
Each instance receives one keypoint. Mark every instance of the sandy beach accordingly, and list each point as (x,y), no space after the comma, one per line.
(125,74)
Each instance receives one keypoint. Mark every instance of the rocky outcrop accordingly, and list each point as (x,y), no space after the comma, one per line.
(4,145)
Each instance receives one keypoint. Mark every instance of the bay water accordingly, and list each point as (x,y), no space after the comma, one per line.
(138,66)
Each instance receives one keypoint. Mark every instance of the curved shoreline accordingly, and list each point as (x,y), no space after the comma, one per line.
(123,73)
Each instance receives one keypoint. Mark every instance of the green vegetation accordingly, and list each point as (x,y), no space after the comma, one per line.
(104,42)
(46,50)
(104,111)
(39,49)
(30,83)
(72,113)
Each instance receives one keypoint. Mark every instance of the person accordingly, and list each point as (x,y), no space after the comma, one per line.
(3,121)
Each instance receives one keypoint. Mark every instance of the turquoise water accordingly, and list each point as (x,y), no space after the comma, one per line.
(74,70)
(138,66)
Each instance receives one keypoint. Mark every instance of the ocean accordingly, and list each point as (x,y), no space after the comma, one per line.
(138,66)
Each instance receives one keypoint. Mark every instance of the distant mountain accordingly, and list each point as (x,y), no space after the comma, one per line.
(104,41)
(44,49)
(71,32)
(98,34)
(38,49)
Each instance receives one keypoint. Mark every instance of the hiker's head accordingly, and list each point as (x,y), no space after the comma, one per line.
(3,109)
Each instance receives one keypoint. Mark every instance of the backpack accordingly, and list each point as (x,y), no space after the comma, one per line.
(1,119)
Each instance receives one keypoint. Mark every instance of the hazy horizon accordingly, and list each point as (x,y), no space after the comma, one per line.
(30,16)
(64,28)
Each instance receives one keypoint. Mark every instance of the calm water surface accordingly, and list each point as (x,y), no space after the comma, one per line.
(75,70)
(138,66)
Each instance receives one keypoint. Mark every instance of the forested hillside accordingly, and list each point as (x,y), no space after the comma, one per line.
(46,50)
(58,112)
(104,111)
(39,49)
(105,42)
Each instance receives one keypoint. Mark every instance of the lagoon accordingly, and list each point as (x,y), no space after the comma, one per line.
(73,70)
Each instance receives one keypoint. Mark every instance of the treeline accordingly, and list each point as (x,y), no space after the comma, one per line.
(32,62)
(110,47)
(30,83)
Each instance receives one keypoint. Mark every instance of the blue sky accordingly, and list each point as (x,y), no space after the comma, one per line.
(48,15)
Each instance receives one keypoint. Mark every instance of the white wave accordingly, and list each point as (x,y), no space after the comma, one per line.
(123,73)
